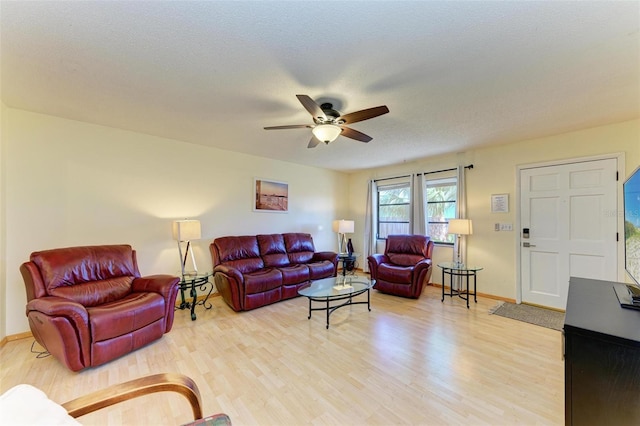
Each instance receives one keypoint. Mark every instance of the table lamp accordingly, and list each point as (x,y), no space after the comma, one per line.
(183,232)
(343,227)
(460,227)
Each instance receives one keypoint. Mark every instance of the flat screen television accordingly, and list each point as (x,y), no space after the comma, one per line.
(631,190)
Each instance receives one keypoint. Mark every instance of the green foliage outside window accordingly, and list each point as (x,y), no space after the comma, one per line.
(440,207)
(394,210)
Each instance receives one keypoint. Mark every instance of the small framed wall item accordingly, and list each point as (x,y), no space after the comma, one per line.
(270,196)
(500,203)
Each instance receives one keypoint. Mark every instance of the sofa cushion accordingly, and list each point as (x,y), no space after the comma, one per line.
(125,315)
(272,250)
(76,265)
(294,274)
(394,273)
(299,247)
(97,292)
(319,270)
(404,259)
(241,253)
(407,250)
(262,280)
(24,404)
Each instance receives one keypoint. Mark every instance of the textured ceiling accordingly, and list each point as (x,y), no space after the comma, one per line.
(455,75)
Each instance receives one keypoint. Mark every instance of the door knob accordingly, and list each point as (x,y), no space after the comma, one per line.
(528,245)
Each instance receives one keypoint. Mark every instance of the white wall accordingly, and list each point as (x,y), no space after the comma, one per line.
(71,183)
(3,269)
(494,172)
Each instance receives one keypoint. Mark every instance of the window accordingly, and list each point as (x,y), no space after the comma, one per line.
(440,206)
(394,209)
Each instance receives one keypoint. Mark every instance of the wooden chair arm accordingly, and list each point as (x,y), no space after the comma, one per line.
(170,382)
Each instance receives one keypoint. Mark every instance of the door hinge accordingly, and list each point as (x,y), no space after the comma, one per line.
(617,236)
(617,175)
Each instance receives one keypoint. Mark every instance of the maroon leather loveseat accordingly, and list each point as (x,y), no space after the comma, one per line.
(89,305)
(255,270)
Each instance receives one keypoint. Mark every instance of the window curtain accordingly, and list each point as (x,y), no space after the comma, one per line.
(370,220)
(418,223)
(461,211)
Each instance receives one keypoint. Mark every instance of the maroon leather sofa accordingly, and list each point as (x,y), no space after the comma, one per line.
(256,270)
(89,305)
(405,266)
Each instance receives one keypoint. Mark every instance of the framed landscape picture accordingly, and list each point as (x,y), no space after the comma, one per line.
(270,196)
(631,189)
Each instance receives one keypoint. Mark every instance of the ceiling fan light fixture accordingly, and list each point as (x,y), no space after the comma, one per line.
(326,133)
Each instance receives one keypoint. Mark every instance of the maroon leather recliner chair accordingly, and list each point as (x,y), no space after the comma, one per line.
(89,305)
(405,266)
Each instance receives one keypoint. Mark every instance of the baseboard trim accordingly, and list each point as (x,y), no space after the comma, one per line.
(485,295)
(12,337)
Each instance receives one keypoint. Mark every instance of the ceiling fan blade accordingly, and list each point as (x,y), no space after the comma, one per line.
(311,106)
(354,134)
(293,126)
(313,142)
(363,114)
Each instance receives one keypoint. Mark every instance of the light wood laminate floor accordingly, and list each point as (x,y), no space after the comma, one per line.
(410,362)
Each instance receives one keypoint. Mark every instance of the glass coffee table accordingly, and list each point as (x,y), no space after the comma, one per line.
(336,292)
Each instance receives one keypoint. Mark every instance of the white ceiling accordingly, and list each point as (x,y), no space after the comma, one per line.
(455,75)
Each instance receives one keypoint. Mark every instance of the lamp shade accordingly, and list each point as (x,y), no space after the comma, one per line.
(460,227)
(186,230)
(326,132)
(343,226)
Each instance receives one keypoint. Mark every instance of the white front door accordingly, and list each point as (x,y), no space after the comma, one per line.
(569,213)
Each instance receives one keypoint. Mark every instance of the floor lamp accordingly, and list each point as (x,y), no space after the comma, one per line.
(343,227)
(460,227)
(183,232)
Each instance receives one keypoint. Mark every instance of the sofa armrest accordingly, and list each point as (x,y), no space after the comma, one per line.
(374,261)
(166,286)
(422,271)
(423,264)
(325,255)
(71,340)
(377,259)
(330,256)
(60,307)
(229,282)
(230,272)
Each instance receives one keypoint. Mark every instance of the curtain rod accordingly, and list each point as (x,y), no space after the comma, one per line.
(470,166)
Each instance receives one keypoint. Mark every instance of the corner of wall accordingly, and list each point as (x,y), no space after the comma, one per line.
(3,245)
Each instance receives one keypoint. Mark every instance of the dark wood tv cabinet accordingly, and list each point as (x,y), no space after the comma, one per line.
(601,356)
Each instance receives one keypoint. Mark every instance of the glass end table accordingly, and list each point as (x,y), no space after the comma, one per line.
(192,282)
(460,270)
(348,259)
